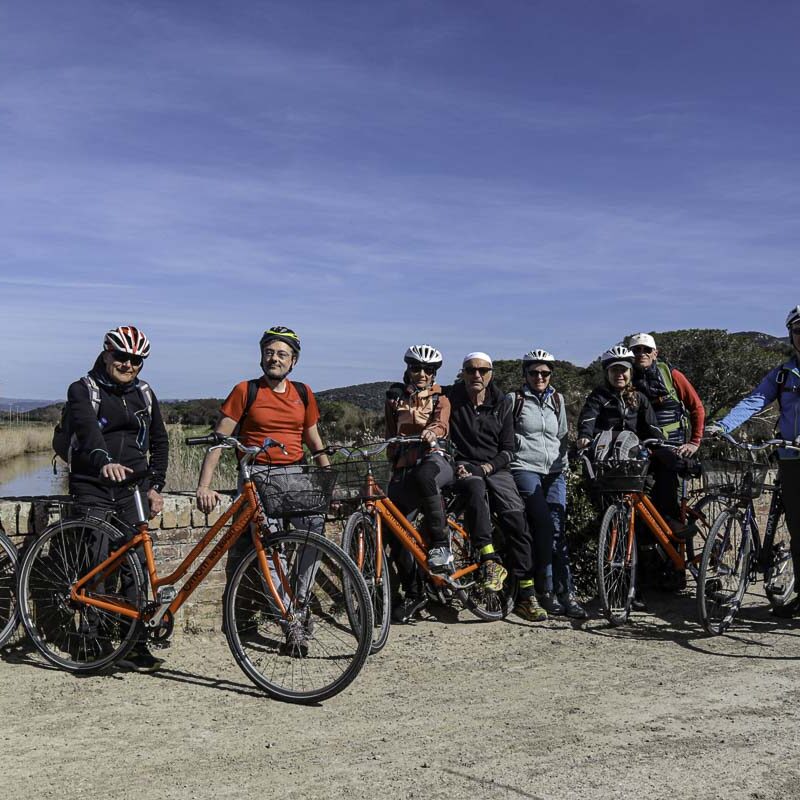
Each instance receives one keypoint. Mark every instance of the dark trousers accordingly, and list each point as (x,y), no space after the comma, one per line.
(497,494)
(664,465)
(789,473)
(408,490)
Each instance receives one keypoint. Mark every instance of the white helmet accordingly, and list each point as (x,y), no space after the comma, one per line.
(423,354)
(537,357)
(127,339)
(618,354)
(793,316)
(642,340)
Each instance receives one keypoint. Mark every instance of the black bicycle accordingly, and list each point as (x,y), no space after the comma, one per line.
(9,608)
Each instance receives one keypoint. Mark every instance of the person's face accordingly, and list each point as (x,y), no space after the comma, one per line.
(619,376)
(121,367)
(421,375)
(538,376)
(477,374)
(277,359)
(644,356)
(795,335)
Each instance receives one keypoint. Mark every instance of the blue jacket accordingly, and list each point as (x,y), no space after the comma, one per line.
(765,393)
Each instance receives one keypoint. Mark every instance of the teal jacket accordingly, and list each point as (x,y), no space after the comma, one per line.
(540,433)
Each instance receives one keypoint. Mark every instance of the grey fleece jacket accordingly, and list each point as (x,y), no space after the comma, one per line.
(540,434)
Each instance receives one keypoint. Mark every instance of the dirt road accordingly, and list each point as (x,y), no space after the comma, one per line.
(508,710)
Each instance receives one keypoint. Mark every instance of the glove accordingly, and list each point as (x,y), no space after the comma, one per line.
(714,429)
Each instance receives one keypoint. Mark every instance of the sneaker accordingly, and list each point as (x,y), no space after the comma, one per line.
(788,610)
(493,575)
(572,608)
(296,644)
(548,601)
(408,607)
(530,610)
(140,659)
(638,603)
(681,531)
(440,559)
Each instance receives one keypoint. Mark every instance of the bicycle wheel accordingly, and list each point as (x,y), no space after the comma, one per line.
(616,563)
(779,574)
(724,569)
(360,542)
(488,606)
(702,513)
(9,613)
(316,648)
(70,634)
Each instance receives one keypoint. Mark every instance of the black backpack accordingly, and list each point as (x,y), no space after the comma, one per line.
(252,391)
(65,441)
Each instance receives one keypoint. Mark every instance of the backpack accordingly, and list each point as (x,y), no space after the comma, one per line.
(780,379)
(519,402)
(252,391)
(65,441)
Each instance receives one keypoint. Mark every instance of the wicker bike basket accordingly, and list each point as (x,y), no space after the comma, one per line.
(620,476)
(735,477)
(294,491)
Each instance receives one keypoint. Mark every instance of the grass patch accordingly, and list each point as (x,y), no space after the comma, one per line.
(16,440)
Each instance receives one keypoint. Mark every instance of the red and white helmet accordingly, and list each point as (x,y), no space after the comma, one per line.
(127,339)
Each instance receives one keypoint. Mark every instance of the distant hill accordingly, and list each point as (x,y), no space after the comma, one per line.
(370,396)
(14,404)
(781,344)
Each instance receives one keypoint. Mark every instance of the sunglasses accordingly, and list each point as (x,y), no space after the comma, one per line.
(795,329)
(121,358)
(477,370)
(421,368)
(640,348)
(540,373)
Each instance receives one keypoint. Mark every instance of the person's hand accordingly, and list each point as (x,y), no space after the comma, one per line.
(582,443)
(488,469)
(713,430)
(115,472)
(206,499)
(463,471)
(687,450)
(156,503)
(429,437)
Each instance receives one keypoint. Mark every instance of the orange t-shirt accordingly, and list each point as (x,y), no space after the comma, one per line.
(281,416)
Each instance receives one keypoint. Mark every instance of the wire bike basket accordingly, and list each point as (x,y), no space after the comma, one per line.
(353,475)
(734,477)
(620,475)
(291,491)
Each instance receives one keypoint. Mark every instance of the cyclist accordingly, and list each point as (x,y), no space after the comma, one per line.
(482,431)
(540,424)
(270,406)
(782,384)
(117,429)
(618,407)
(416,407)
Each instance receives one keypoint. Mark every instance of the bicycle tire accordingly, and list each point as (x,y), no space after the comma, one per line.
(71,635)
(9,607)
(703,513)
(487,606)
(779,575)
(616,572)
(266,645)
(724,570)
(359,535)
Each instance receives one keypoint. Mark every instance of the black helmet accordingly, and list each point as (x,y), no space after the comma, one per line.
(282,334)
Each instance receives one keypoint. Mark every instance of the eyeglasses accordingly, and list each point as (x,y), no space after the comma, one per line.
(640,348)
(281,355)
(540,373)
(121,358)
(421,368)
(477,370)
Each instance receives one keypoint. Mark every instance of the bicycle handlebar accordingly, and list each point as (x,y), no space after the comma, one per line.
(787,443)
(373,448)
(217,440)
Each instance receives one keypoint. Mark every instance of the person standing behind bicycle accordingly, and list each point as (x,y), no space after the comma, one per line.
(617,406)
(482,432)
(540,425)
(270,406)
(782,384)
(117,429)
(416,407)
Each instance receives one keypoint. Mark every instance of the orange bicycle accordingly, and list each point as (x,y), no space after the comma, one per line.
(363,541)
(622,482)
(297,615)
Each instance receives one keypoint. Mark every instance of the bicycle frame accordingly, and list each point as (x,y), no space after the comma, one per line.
(247,500)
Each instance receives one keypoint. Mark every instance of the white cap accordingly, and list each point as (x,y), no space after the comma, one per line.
(478,355)
(642,340)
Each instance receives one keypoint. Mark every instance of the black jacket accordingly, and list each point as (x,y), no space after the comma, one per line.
(121,432)
(604,410)
(482,435)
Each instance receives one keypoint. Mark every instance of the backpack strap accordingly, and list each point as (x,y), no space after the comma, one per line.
(252,391)
(147,396)
(94,392)
(519,402)
(302,390)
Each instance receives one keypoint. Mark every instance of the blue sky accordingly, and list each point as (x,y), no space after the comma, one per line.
(478,175)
